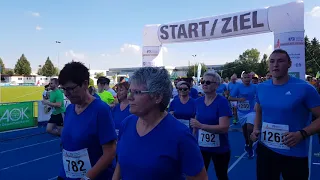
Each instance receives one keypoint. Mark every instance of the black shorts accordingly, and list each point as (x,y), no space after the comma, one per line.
(56,119)
(270,165)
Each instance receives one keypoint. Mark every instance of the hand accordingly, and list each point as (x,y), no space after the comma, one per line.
(255,135)
(195,123)
(292,138)
(242,99)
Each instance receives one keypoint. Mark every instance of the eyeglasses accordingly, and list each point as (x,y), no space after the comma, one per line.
(69,89)
(183,89)
(207,82)
(136,92)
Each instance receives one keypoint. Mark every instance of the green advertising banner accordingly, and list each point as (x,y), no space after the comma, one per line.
(16,116)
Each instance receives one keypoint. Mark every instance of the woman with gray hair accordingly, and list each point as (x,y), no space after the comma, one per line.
(212,124)
(152,143)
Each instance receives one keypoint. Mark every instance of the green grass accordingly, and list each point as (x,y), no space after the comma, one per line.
(21,94)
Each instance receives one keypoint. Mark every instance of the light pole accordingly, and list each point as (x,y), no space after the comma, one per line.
(58,42)
(194,66)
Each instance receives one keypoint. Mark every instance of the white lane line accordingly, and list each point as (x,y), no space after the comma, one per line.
(240,158)
(10,150)
(17,165)
(53,178)
(236,162)
(310,156)
(18,130)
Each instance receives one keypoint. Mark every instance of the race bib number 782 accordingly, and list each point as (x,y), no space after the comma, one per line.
(76,163)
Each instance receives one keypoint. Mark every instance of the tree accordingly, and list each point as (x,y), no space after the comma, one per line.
(48,68)
(98,74)
(193,70)
(2,70)
(312,53)
(263,68)
(91,82)
(57,71)
(247,61)
(22,66)
(9,72)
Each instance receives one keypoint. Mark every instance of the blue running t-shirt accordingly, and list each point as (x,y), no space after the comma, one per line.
(210,115)
(247,92)
(82,138)
(286,108)
(183,112)
(119,116)
(169,151)
(221,89)
(232,86)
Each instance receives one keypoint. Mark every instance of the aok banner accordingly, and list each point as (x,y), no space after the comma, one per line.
(16,116)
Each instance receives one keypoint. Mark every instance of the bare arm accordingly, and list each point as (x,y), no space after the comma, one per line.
(116,174)
(109,153)
(222,127)
(314,127)
(258,118)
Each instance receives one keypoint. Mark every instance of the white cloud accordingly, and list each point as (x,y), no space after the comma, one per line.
(75,56)
(268,50)
(315,12)
(38,28)
(129,48)
(35,14)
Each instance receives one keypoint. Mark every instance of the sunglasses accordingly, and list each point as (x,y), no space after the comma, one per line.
(207,82)
(183,89)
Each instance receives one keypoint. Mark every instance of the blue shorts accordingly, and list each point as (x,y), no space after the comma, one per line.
(246,118)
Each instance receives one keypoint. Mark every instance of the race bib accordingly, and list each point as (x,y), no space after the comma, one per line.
(185,122)
(244,106)
(76,163)
(206,139)
(273,134)
(117,132)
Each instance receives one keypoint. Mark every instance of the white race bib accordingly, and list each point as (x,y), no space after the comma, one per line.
(185,122)
(76,163)
(273,134)
(117,132)
(244,106)
(206,139)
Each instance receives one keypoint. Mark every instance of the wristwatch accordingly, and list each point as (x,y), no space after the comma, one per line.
(85,178)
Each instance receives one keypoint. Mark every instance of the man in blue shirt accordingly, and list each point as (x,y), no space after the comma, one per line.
(231,87)
(245,95)
(282,123)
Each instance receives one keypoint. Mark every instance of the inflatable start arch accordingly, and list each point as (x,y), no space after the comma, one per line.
(285,21)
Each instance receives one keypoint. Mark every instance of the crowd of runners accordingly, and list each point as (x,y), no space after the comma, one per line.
(149,129)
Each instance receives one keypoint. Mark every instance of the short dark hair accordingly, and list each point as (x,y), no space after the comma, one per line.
(55,80)
(103,80)
(255,78)
(281,51)
(121,78)
(186,83)
(75,72)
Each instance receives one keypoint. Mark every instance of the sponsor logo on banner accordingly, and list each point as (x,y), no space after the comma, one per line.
(151,51)
(236,24)
(149,64)
(294,74)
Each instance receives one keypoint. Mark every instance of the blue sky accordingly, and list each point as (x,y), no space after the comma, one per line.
(108,34)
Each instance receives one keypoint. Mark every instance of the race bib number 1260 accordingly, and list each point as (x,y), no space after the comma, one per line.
(206,139)
(76,163)
(272,135)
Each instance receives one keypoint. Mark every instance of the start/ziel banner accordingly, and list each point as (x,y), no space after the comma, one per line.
(16,116)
